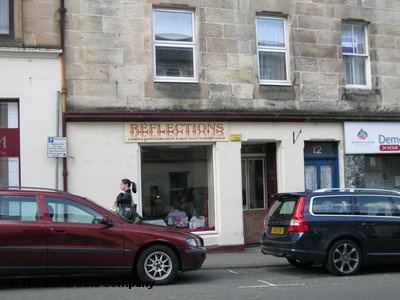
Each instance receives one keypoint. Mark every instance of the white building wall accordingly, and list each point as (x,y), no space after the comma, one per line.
(99,159)
(34,82)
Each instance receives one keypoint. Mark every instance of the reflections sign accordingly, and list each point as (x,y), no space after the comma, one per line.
(155,132)
(372,137)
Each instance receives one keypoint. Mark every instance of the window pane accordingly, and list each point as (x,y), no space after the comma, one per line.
(373,206)
(177,181)
(4,17)
(173,26)
(331,205)
(326,176)
(354,70)
(68,211)
(310,177)
(353,39)
(174,62)
(18,208)
(270,32)
(256,183)
(272,66)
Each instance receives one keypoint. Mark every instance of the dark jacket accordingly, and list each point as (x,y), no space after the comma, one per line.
(124,199)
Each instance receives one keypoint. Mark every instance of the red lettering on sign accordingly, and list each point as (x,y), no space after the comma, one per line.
(389,147)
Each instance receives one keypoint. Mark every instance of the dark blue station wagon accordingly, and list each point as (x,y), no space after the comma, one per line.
(342,229)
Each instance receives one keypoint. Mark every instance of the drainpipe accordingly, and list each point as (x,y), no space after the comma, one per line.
(62,12)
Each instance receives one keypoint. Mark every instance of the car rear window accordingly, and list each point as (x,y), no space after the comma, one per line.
(283,207)
(336,205)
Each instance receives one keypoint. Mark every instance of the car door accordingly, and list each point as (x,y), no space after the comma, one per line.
(77,239)
(22,234)
(378,225)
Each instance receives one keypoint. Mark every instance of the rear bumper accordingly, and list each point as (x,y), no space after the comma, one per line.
(296,248)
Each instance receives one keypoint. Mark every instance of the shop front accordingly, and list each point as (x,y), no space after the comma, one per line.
(372,154)
(214,178)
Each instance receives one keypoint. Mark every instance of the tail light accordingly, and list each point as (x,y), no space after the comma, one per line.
(298,223)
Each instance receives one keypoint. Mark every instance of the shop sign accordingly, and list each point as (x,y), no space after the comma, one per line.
(9,142)
(372,137)
(155,132)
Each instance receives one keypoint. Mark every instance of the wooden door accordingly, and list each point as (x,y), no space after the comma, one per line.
(254,204)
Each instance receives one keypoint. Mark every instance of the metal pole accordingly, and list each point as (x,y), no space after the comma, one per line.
(57,132)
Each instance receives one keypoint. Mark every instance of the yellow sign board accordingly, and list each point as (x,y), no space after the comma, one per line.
(156,132)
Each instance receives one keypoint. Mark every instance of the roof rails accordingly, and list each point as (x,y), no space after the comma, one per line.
(351,190)
(33,188)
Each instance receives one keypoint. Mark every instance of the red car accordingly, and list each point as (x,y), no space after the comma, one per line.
(52,232)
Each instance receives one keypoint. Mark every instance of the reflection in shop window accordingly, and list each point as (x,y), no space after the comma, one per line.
(177,186)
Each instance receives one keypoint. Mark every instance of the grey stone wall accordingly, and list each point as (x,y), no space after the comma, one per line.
(354,171)
(110,58)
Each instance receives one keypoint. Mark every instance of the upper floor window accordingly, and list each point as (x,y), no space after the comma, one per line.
(174,45)
(5,17)
(272,51)
(355,55)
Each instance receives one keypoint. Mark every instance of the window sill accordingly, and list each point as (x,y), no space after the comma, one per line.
(361,94)
(277,92)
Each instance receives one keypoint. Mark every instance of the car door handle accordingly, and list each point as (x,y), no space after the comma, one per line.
(58,230)
(368,224)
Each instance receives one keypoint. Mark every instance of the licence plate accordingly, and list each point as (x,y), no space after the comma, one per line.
(277,230)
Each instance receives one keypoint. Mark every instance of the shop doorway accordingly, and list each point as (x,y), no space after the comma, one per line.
(258,183)
(320,165)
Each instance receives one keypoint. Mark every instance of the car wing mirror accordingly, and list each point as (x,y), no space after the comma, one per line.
(105,220)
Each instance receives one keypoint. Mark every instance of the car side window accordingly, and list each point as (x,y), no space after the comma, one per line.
(68,211)
(373,206)
(396,201)
(18,208)
(337,205)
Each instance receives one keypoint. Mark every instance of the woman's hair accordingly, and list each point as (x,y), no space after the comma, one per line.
(129,183)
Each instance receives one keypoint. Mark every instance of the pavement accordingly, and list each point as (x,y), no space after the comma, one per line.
(249,258)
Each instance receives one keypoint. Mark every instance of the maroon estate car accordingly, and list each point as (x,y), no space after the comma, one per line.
(45,231)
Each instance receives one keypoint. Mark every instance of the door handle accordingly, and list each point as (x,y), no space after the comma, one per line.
(58,230)
(367,224)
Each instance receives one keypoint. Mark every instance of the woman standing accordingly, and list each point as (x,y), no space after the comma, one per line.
(124,202)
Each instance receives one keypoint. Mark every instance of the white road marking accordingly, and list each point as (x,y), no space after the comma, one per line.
(233,272)
(268,284)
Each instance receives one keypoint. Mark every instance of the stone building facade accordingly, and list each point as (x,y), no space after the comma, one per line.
(284,80)
(30,85)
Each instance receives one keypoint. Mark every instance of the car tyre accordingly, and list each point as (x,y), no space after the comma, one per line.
(344,258)
(157,263)
(299,263)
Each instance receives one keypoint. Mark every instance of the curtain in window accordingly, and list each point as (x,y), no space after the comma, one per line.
(4,17)
(272,65)
(270,33)
(354,51)
(310,177)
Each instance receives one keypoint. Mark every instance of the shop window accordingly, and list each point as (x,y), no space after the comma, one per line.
(382,171)
(6,10)
(173,45)
(355,55)
(272,50)
(9,144)
(178,186)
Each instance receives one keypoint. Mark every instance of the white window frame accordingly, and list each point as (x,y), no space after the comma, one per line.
(368,83)
(175,44)
(274,50)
